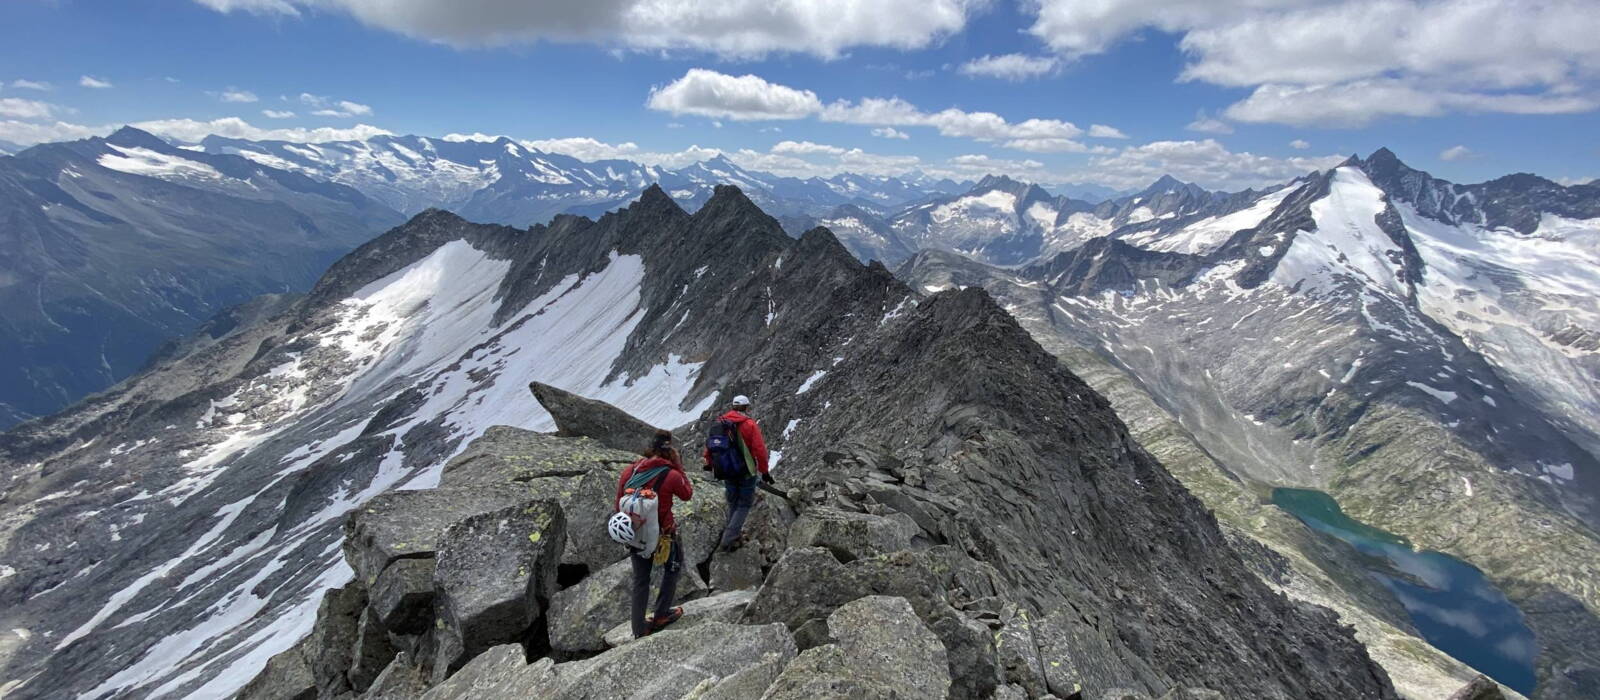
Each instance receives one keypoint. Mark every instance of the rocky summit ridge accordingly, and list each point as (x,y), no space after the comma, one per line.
(362,495)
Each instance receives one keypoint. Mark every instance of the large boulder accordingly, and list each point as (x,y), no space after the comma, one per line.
(1017,654)
(852,535)
(580,615)
(736,570)
(668,664)
(495,574)
(722,607)
(575,415)
(883,651)
(406,524)
(286,676)
(810,582)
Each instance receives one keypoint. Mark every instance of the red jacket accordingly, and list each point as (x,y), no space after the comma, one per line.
(750,434)
(674,485)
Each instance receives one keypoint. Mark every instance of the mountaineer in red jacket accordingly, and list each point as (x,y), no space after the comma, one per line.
(671,484)
(748,449)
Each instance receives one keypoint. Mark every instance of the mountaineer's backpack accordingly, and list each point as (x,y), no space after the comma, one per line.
(728,455)
(636,524)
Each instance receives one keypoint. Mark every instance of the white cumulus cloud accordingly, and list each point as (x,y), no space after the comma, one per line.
(277,113)
(1101,131)
(1207,124)
(90,81)
(237,95)
(1456,153)
(708,93)
(1299,144)
(1359,60)
(734,28)
(806,148)
(889,132)
(193,130)
(1011,66)
(18,108)
(329,107)
(30,85)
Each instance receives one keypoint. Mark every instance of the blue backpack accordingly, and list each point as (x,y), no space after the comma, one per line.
(727,451)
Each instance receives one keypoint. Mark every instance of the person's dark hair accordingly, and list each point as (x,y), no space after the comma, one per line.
(660,445)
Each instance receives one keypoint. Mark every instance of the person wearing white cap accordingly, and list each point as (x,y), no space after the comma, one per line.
(737,454)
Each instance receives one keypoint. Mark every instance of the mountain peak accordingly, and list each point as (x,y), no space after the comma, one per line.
(654,197)
(993,182)
(135,138)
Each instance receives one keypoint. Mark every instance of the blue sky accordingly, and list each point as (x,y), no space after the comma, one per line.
(1219,92)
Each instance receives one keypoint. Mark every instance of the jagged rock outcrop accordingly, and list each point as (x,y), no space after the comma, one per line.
(575,415)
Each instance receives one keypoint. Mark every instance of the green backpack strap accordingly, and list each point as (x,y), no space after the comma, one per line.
(640,479)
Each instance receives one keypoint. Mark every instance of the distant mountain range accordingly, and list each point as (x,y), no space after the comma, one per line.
(117,245)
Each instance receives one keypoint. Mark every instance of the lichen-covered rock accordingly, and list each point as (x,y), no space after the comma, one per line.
(851,535)
(400,680)
(1077,658)
(722,607)
(580,615)
(1017,654)
(575,415)
(748,683)
(969,647)
(736,570)
(496,573)
(670,663)
(402,597)
(407,524)
(500,672)
(810,582)
(883,651)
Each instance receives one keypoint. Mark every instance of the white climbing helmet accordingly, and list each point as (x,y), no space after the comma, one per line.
(621,528)
(741,400)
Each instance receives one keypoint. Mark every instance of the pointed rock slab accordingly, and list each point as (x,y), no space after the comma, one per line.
(575,415)
(407,524)
(883,651)
(495,574)
(851,535)
(580,615)
(723,607)
(810,583)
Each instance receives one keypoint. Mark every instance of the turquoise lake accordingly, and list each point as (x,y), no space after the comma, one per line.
(1450,601)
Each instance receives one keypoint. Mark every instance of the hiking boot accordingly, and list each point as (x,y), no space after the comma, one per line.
(659,622)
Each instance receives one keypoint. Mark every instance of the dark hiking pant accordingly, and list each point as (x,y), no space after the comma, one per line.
(641,586)
(741,496)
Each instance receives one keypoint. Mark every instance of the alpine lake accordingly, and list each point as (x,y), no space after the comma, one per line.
(1450,602)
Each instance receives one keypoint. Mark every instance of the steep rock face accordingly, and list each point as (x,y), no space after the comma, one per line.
(1343,340)
(116,245)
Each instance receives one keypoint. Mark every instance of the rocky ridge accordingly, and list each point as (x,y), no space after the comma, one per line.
(934,451)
